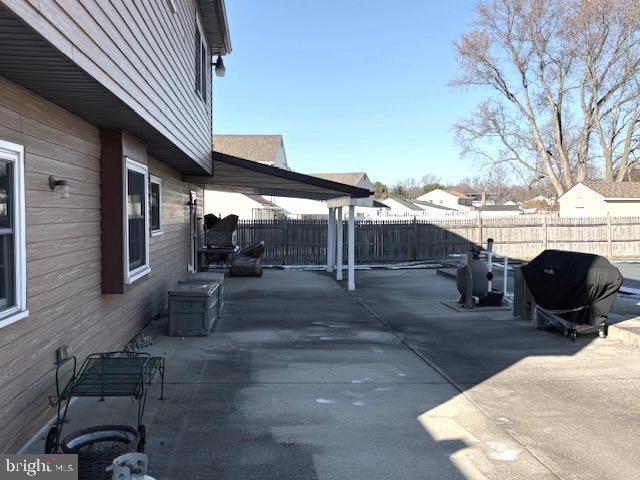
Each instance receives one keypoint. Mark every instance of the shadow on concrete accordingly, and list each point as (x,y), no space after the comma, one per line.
(537,387)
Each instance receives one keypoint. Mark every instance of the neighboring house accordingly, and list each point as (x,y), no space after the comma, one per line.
(360,180)
(479,199)
(355,179)
(434,208)
(302,208)
(400,207)
(268,149)
(540,204)
(448,198)
(246,206)
(104,106)
(599,199)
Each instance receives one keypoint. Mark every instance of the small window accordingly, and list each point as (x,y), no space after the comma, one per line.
(13,285)
(202,65)
(156,205)
(137,222)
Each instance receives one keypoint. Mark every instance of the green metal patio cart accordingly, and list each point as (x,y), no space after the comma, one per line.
(110,374)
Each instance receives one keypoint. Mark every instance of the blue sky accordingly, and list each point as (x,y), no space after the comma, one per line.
(351,84)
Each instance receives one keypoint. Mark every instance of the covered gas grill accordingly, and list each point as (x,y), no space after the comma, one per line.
(572,289)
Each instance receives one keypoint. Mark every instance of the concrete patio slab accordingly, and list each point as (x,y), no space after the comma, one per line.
(570,404)
(302,380)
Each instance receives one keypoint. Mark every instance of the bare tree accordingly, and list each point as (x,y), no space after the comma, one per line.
(564,83)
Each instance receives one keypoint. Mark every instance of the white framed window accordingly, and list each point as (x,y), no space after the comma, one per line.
(155,205)
(13,257)
(202,63)
(136,221)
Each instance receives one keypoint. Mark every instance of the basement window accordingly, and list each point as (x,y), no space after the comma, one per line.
(13,279)
(156,205)
(136,221)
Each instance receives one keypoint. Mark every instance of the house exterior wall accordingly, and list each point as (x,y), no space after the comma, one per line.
(280,158)
(142,52)
(64,294)
(396,208)
(582,201)
(444,198)
(227,203)
(624,208)
(365,183)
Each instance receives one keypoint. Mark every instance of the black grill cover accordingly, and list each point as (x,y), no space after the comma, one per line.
(560,280)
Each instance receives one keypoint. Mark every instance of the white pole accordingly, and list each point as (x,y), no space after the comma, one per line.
(339,238)
(352,248)
(505,275)
(331,239)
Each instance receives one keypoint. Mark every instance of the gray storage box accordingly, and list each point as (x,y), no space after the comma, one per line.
(205,277)
(209,277)
(193,309)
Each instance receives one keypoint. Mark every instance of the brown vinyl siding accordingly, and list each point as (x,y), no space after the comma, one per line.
(142,52)
(64,257)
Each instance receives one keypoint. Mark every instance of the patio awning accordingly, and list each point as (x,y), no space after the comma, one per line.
(234,174)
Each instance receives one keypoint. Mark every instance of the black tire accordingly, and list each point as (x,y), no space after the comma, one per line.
(50,443)
(142,430)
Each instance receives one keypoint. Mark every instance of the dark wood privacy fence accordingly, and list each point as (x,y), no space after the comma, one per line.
(304,242)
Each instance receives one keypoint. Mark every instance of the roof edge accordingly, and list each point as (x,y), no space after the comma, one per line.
(354,192)
(226,34)
(216,11)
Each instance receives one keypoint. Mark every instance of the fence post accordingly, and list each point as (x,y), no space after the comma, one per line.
(545,233)
(480,233)
(609,237)
(414,240)
(285,240)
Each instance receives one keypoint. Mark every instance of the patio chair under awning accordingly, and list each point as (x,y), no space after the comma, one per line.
(239,175)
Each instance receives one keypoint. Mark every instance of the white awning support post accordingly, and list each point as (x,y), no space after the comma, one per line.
(331,239)
(352,248)
(505,275)
(339,235)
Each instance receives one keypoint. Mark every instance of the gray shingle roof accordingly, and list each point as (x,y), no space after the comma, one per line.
(615,189)
(455,193)
(258,148)
(432,205)
(348,178)
(410,204)
(499,208)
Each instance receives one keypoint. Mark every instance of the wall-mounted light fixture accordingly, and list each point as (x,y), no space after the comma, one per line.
(61,186)
(219,67)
